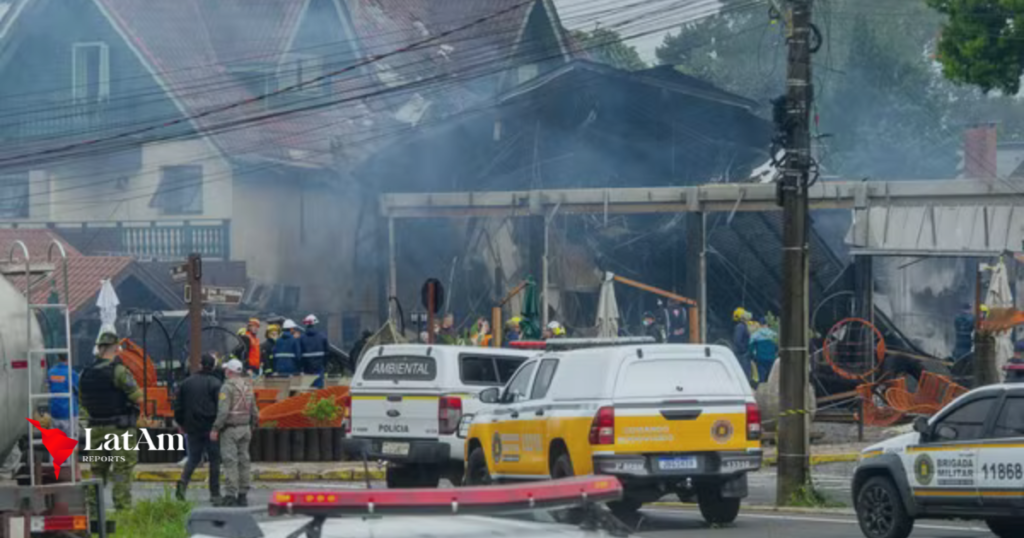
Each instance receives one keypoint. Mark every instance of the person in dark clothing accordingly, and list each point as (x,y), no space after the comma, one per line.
(267,347)
(288,350)
(195,409)
(652,328)
(315,348)
(741,339)
(357,349)
(964,326)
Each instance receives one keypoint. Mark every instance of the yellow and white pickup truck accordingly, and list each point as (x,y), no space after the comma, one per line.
(966,462)
(663,419)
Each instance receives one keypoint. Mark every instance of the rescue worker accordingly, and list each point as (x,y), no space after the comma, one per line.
(963,326)
(237,414)
(288,350)
(267,347)
(447,334)
(195,409)
(248,351)
(62,379)
(764,349)
(110,401)
(652,329)
(553,330)
(314,346)
(741,339)
(513,332)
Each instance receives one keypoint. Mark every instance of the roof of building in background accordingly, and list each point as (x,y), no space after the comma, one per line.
(158,30)
(37,240)
(85,278)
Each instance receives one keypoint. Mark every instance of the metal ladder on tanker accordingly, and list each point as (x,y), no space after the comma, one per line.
(62,308)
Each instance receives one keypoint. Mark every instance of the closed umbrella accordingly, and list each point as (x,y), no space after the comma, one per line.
(107,302)
(607,310)
(530,325)
(1000,296)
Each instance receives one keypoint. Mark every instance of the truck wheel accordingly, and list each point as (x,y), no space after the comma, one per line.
(562,467)
(717,510)
(1004,528)
(477,473)
(880,510)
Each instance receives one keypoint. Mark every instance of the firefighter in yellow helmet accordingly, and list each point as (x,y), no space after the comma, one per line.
(741,338)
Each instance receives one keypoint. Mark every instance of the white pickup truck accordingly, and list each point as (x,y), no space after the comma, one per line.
(409,401)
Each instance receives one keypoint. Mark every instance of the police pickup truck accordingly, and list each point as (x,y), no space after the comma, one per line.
(966,462)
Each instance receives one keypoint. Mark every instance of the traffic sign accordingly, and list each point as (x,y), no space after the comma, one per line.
(223,295)
(180,273)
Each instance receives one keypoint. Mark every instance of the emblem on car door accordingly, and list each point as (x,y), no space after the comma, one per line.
(393,413)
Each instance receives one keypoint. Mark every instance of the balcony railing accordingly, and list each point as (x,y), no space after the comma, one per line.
(144,240)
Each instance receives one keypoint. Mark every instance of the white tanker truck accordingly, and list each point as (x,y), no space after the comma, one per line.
(14,365)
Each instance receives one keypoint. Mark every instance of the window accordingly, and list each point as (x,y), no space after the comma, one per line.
(180,191)
(401,369)
(493,371)
(968,420)
(14,196)
(90,78)
(301,69)
(544,376)
(1011,419)
(518,389)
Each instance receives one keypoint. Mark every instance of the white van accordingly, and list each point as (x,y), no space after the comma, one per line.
(662,418)
(409,400)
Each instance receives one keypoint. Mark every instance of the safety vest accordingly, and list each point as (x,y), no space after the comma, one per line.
(254,350)
(240,411)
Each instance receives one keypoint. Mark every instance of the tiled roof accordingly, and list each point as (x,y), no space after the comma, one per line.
(188,41)
(36,239)
(85,274)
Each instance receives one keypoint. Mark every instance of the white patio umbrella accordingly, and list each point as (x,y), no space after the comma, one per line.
(107,302)
(607,310)
(999,296)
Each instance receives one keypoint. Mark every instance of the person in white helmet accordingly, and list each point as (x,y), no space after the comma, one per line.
(288,350)
(315,348)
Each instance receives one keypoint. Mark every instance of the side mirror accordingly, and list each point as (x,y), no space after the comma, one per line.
(921,425)
(490,395)
(946,433)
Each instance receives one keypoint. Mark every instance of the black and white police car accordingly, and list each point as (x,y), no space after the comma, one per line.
(966,462)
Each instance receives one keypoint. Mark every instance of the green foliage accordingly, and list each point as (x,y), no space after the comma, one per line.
(606,46)
(163,517)
(809,497)
(982,42)
(322,411)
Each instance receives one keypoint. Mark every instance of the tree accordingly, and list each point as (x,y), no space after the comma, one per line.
(982,42)
(606,46)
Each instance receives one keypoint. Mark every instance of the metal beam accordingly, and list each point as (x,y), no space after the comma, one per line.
(707,198)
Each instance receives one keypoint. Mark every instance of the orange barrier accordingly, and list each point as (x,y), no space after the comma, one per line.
(934,391)
(875,415)
(287,415)
(131,356)
(266,397)
(953,391)
(158,403)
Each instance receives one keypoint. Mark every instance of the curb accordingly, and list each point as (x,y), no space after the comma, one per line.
(265,475)
(767,508)
(823,459)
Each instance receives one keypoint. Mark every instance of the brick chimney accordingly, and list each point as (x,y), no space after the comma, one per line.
(980,152)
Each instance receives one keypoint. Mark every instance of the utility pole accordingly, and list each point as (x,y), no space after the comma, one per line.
(194,298)
(793,469)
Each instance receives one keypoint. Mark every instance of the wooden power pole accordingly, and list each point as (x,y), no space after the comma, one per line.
(793,468)
(194,297)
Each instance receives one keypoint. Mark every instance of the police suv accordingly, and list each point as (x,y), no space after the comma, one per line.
(662,419)
(408,401)
(966,462)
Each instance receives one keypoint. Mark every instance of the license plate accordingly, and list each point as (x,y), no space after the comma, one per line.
(677,463)
(395,449)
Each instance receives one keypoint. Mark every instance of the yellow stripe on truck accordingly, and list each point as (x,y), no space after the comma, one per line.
(706,433)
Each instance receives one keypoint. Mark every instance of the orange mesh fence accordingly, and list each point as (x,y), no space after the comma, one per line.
(854,349)
(928,398)
(131,356)
(953,391)
(266,397)
(288,414)
(874,414)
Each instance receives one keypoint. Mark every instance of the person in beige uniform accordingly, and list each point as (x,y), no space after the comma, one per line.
(237,414)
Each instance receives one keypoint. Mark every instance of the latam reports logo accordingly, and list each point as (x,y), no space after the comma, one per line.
(59,445)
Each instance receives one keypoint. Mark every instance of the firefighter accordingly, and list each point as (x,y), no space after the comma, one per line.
(267,347)
(237,414)
(248,351)
(741,339)
(110,402)
(314,346)
(288,350)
